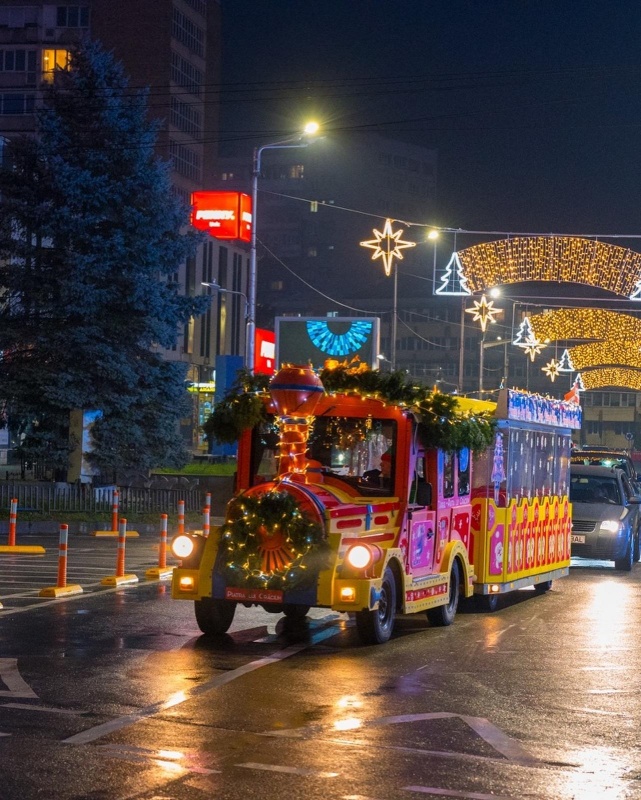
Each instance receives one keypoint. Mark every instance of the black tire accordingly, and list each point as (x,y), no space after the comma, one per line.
(486,602)
(214,617)
(444,615)
(295,610)
(543,587)
(625,563)
(375,627)
(636,550)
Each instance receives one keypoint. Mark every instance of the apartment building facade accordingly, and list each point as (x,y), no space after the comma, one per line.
(172,47)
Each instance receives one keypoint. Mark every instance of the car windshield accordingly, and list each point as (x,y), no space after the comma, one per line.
(588,489)
(600,461)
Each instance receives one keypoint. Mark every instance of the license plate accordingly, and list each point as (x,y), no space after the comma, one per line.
(576,538)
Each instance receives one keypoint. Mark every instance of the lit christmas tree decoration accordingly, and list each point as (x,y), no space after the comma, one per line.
(525,333)
(565,364)
(454,282)
(387,245)
(484,312)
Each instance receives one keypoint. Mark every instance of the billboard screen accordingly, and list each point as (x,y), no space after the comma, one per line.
(303,340)
(265,352)
(224,215)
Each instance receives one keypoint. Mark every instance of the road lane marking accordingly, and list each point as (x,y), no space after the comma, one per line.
(452,793)
(107,728)
(172,760)
(290,770)
(499,741)
(15,683)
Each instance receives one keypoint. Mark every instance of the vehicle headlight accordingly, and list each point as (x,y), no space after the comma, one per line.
(611,525)
(182,546)
(362,556)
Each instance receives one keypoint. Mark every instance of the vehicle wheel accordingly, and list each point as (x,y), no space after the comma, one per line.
(375,627)
(214,616)
(625,563)
(636,550)
(543,587)
(444,615)
(295,610)
(486,602)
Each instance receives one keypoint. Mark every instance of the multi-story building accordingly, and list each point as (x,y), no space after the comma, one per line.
(174,48)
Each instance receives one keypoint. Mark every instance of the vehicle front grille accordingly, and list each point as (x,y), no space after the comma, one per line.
(583,525)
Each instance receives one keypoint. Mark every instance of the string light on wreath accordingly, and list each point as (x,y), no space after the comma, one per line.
(484,312)
(387,245)
(268,542)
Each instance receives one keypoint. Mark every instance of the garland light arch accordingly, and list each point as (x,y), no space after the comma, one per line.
(620,377)
(558,259)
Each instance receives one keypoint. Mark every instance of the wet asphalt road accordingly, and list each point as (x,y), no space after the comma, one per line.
(114,695)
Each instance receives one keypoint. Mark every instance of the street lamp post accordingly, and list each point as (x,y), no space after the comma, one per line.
(217,288)
(299,141)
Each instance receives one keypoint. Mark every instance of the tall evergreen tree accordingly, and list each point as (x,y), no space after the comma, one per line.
(90,237)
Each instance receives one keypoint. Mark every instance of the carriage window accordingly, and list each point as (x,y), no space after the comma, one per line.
(448,474)
(463,458)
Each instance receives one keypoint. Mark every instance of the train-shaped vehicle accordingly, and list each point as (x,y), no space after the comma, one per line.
(367,497)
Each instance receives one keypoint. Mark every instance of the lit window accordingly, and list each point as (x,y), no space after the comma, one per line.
(53,60)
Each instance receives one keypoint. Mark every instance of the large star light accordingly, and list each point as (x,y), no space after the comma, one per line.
(552,369)
(387,245)
(533,347)
(484,312)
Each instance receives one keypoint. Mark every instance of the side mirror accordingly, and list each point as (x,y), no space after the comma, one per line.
(423,494)
(634,499)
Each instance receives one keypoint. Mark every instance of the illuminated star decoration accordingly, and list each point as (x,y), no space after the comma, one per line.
(533,347)
(552,369)
(483,311)
(387,245)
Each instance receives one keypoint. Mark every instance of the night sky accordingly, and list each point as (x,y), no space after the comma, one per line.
(534,106)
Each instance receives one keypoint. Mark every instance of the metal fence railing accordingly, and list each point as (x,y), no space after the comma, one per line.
(72,497)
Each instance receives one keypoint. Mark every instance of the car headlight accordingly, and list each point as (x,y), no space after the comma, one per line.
(362,556)
(182,546)
(611,525)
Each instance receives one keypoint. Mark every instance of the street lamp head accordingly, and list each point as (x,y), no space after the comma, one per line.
(495,292)
(311,128)
(433,234)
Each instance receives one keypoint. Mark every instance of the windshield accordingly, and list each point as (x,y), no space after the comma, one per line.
(588,489)
(358,450)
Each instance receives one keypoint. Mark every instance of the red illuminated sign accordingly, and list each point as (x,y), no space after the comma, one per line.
(265,352)
(224,215)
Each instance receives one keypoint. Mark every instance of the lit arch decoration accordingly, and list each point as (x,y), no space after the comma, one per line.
(613,352)
(585,323)
(558,259)
(600,378)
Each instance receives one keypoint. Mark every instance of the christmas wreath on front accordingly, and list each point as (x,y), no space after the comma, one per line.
(269,542)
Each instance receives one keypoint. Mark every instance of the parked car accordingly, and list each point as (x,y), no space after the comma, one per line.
(608,457)
(605,515)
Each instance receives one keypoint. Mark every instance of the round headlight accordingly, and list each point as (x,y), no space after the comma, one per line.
(359,556)
(182,546)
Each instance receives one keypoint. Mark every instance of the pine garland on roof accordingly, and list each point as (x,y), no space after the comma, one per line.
(441,423)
